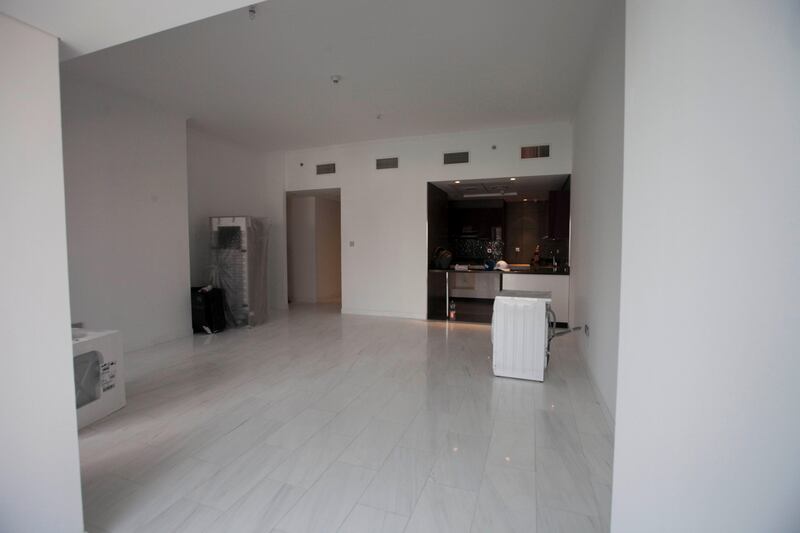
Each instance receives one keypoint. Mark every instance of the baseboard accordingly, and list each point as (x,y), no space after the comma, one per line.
(382,313)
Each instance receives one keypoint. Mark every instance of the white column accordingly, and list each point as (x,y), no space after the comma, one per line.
(708,403)
(40,489)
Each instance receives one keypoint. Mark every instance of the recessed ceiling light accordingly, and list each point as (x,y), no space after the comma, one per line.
(513,179)
(458,181)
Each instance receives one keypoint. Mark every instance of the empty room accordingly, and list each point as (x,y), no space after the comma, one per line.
(382,267)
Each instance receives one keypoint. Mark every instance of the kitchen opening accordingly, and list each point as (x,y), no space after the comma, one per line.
(496,234)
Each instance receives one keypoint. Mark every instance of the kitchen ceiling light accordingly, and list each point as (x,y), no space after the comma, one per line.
(458,181)
(513,179)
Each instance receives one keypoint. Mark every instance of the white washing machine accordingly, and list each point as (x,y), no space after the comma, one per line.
(520,334)
(99,374)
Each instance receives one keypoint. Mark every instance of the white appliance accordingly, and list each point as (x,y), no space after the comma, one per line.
(520,334)
(99,374)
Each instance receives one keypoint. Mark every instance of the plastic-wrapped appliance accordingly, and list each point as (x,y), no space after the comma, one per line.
(520,334)
(239,267)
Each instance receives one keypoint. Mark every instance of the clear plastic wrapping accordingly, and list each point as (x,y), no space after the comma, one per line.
(239,267)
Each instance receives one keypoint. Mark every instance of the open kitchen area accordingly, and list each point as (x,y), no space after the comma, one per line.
(497,234)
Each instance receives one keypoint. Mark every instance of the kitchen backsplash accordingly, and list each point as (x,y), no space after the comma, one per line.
(478,249)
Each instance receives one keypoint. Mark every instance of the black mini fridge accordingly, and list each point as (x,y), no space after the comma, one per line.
(208,310)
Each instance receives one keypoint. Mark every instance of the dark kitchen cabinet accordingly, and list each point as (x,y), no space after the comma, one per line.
(475,218)
(437,220)
(526,225)
(558,215)
(437,295)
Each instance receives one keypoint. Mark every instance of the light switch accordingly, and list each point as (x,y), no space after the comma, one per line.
(516,249)
(352,244)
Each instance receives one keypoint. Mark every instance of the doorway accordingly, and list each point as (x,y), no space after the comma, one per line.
(314,246)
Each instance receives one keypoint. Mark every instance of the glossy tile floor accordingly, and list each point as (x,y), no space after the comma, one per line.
(324,422)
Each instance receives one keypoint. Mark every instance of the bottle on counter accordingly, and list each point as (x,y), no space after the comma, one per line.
(452,314)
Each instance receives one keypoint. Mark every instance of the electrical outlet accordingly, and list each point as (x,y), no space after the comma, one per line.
(352,244)
(586,329)
(516,249)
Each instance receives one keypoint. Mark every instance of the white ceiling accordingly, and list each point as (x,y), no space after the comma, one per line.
(88,25)
(425,66)
(533,188)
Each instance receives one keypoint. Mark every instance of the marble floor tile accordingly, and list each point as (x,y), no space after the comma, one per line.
(339,397)
(260,509)
(563,485)
(402,408)
(374,444)
(428,431)
(193,432)
(306,464)
(506,501)
(400,481)
(234,480)
(475,416)
(184,516)
(232,445)
(512,444)
(602,494)
(444,397)
(442,509)
(599,454)
(514,398)
(552,520)
(357,415)
(294,433)
(328,503)
(555,429)
(365,519)
(318,421)
(155,493)
(105,492)
(552,394)
(589,418)
(581,390)
(291,406)
(461,460)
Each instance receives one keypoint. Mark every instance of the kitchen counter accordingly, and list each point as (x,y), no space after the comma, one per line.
(538,272)
(481,286)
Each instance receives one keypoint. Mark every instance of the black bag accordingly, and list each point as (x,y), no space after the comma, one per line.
(208,310)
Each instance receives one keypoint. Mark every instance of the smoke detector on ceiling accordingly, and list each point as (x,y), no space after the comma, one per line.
(336,79)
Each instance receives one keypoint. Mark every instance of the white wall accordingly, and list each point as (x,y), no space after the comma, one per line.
(301,224)
(127,220)
(228,179)
(708,428)
(276,207)
(597,205)
(328,250)
(384,211)
(40,489)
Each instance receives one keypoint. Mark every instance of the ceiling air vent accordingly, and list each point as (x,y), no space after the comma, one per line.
(532,152)
(327,168)
(453,158)
(386,162)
